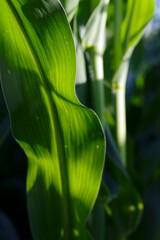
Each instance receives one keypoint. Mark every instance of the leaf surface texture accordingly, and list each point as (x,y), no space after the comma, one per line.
(63,140)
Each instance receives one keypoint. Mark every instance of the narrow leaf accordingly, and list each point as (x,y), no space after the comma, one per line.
(95,28)
(70,7)
(138,14)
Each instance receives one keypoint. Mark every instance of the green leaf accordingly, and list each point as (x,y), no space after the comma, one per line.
(85,12)
(150,223)
(71,7)
(127,21)
(138,14)
(105,196)
(126,206)
(95,28)
(126,209)
(63,140)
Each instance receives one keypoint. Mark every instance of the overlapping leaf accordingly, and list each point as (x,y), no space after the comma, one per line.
(84,12)
(63,140)
(95,28)
(70,7)
(138,14)
(128,29)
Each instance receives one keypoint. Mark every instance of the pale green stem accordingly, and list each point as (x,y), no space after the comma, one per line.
(97,64)
(119,86)
(97,83)
(121,122)
(99,215)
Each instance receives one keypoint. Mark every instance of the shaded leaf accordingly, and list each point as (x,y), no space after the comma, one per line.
(85,12)
(149,227)
(126,209)
(126,206)
(4,129)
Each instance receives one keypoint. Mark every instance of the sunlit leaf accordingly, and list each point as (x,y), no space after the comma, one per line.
(63,140)
(138,14)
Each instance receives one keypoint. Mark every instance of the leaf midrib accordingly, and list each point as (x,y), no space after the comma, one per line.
(55,120)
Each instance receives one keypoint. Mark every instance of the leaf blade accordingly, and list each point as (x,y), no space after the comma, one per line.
(46,117)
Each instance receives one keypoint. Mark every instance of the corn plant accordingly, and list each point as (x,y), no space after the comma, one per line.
(65,141)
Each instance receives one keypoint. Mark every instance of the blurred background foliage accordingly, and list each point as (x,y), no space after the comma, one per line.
(122,186)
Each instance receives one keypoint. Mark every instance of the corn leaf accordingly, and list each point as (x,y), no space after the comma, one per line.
(95,28)
(129,25)
(70,7)
(123,204)
(138,14)
(63,140)
(126,27)
(126,208)
(85,12)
